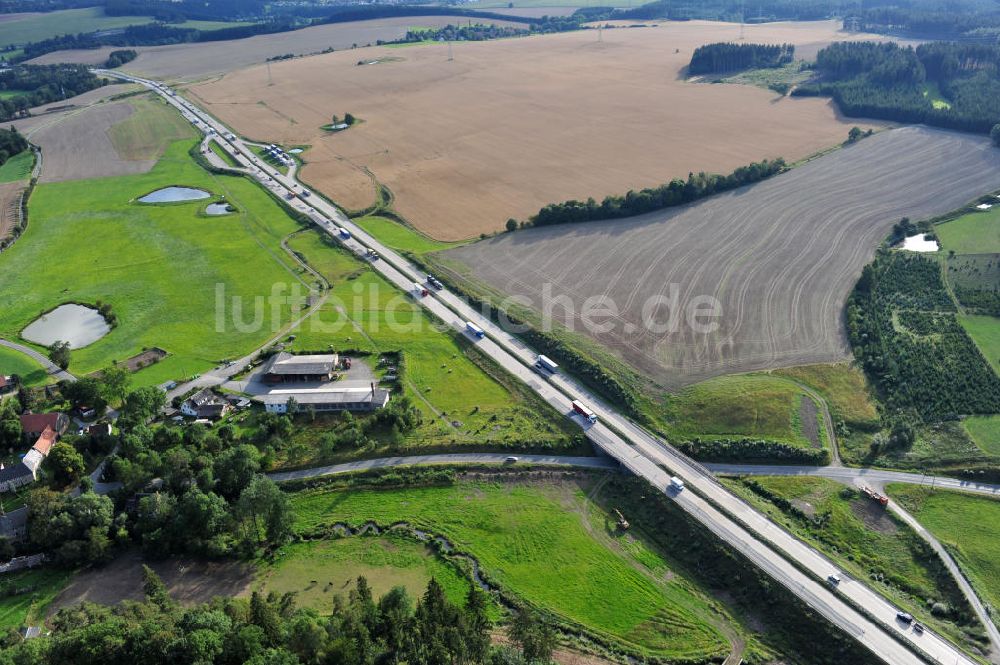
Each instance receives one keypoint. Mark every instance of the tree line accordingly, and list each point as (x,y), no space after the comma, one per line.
(890,82)
(728,57)
(676,192)
(269,629)
(120,57)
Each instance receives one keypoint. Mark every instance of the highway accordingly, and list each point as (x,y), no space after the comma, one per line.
(743,528)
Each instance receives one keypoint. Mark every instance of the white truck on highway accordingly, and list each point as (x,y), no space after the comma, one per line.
(676,484)
(546,365)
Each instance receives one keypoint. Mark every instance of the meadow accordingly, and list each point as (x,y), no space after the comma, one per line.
(843,386)
(158,265)
(985,431)
(18,167)
(865,540)
(550,546)
(985,332)
(751,405)
(972,233)
(464,399)
(968,525)
(29,608)
(385,561)
(15,362)
(151,128)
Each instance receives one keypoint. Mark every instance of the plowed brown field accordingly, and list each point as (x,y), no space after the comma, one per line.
(511,125)
(780,257)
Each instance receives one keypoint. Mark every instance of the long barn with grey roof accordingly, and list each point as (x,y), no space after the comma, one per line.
(286,368)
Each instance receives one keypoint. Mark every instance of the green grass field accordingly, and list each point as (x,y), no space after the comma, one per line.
(159,266)
(18,167)
(15,362)
(985,431)
(843,386)
(148,132)
(442,374)
(861,537)
(385,561)
(751,405)
(973,233)
(967,524)
(985,332)
(551,546)
(222,153)
(399,237)
(72,21)
(29,608)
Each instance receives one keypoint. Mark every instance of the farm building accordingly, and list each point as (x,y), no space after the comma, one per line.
(26,471)
(341,399)
(284,367)
(34,424)
(205,404)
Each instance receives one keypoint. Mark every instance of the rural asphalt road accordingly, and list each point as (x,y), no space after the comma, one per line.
(427,460)
(50,367)
(762,541)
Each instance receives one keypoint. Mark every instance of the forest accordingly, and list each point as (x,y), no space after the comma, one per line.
(902,327)
(674,193)
(729,57)
(892,82)
(43,84)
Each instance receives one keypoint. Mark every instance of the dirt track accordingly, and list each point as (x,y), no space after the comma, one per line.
(511,125)
(780,256)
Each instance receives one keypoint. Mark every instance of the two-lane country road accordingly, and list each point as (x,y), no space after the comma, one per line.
(746,530)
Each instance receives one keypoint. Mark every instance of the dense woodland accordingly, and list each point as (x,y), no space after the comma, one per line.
(674,193)
(902,326)
(887,81)
(42,84)
(729,57)
(120,57)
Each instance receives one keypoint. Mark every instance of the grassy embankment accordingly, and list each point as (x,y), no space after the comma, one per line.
(18,167)
(550,546)
(158,265)
(223,154)
(868,542)
(968,525)
(464,399)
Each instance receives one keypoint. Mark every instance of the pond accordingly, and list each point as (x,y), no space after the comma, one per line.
(174,195)
(295,151)
(76,324)
(918,243)
(217,209)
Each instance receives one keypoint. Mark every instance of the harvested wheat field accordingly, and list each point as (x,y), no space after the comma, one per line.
(511,125)
(780,256)
(196,61)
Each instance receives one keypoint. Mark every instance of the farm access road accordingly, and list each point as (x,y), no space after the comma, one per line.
(746,530)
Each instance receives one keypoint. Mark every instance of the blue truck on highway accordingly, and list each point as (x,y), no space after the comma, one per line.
(474,330)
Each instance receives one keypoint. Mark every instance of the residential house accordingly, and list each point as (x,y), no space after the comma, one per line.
(34,424)
(7,384)
(205,404)
(15,476)
(99,430)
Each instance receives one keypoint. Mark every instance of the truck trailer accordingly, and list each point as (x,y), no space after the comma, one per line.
(474,330)
(545,364)
(580,408)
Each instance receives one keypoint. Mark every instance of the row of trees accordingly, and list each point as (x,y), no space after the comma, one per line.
(674,193)
(887,81)
(271,630)
(728,57)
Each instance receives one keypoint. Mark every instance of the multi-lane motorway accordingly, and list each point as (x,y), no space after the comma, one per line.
(770,547)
